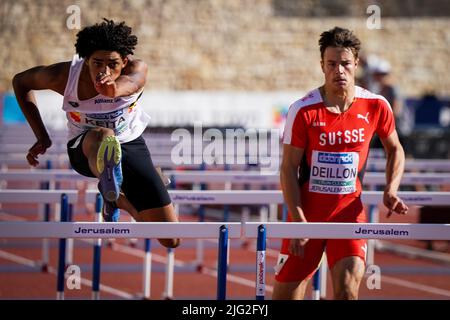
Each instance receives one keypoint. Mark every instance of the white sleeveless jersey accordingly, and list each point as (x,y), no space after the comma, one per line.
(121,114)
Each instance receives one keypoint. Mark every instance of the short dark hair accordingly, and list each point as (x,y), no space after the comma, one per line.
(109,36)
(341,38)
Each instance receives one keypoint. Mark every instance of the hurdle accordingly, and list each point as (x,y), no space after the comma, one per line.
(254,197)
(18,159)
(65,198)
(38,196)
(239,163)
(335,231)
(227,177)
(232,230)
(97,252)
(63,230)
(232,177)
(257,177)
(264,197)
(238,197)
(372,180)
(275,196)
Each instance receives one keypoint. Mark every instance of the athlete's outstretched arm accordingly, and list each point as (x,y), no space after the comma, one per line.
(53,77)
(395,165)
(131,80)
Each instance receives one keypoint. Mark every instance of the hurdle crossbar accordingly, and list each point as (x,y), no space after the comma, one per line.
(239,162)
(322,230)
(108,230)
(18,159)
(37,196)
(275,196)
(256,177)
(412,164)
(242,177)
(195,230)
(243,197)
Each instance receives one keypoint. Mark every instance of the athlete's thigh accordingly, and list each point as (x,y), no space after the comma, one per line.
(337,249)
(77,158)
(163,214)
(292,268)
(142,184)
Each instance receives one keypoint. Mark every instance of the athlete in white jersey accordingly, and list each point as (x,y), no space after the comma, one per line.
(101,88)
(121,114)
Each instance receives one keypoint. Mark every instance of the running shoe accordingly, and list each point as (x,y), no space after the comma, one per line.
(110,212)
(109,157)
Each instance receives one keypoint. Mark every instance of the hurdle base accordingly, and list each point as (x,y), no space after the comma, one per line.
(132,245)
(139,296)
(44,268)
(200,268)
(110,243)
(246,244)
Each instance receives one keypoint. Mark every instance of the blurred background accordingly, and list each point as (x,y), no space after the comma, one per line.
(241,63)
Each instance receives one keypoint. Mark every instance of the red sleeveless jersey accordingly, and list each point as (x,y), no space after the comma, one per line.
(336,149)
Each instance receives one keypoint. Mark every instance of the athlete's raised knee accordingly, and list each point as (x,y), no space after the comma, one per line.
(101,133)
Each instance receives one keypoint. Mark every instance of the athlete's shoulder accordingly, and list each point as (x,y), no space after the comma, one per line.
(363,93)
(62,68)
(136,70)
(51,77)
(310,100)
(135,65)
(376,100)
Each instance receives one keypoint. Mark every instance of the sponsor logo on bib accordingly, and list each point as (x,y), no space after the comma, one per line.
(333,172)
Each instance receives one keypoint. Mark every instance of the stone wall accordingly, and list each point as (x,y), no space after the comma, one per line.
(226,44)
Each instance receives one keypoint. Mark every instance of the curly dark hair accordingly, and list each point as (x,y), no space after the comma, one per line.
(341,38)
(107,35)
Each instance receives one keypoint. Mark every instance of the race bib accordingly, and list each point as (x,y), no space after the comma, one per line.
(333,172)
(117,120)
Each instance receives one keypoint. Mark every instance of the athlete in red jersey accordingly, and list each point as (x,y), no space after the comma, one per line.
(326,143)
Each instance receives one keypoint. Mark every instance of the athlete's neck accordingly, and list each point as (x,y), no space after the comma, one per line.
(337,101)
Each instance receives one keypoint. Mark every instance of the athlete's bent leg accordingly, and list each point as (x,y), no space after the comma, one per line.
(163,214)
(103,152)
(289,290)
(347,274)
(91,144)
(124,204)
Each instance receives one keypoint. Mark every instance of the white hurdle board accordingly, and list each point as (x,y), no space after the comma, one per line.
(209,176)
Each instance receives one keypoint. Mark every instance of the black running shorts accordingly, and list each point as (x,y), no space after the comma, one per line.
(141,184)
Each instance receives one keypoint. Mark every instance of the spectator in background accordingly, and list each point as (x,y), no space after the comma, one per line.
(383,85)
(365,74)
